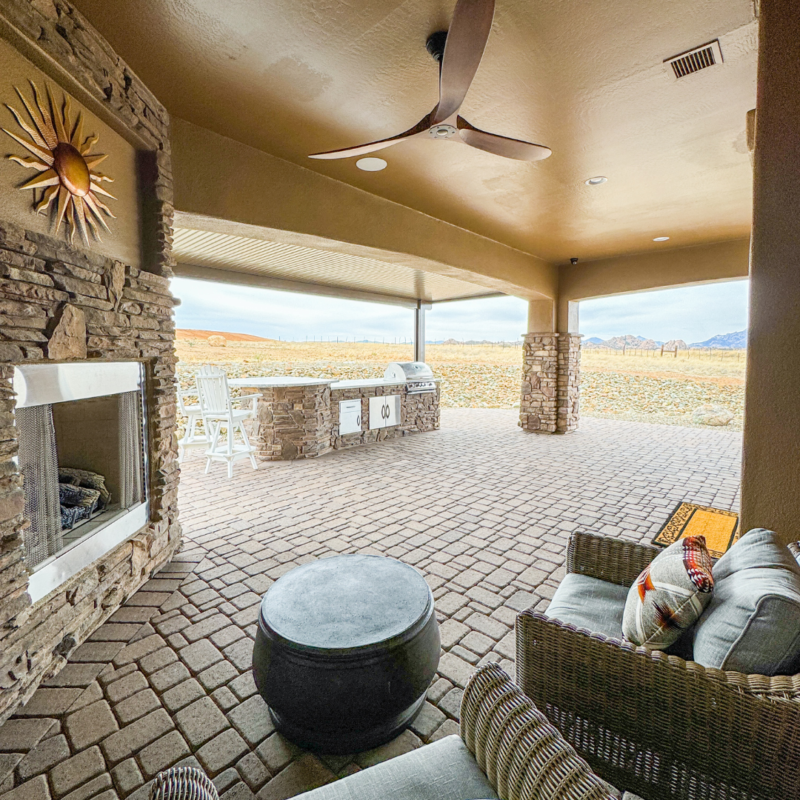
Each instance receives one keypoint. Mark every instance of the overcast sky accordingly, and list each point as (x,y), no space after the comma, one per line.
(693,314)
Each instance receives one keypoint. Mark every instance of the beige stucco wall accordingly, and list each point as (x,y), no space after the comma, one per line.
(221,179)
(123,242)
(771,474)
(647,271)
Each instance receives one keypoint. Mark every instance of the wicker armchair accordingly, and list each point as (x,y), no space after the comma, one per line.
(661,726)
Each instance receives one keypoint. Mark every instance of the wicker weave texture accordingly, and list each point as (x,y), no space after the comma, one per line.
(612,560)
(522,753)
(656,724)
(183,783)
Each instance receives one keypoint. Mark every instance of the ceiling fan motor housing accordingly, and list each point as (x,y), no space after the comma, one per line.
(435,45)
(442,131)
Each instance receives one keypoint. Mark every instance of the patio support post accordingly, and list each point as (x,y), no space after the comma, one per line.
(550,373)
(770,474)
(419,330)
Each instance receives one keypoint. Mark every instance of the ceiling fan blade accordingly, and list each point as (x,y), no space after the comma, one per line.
(362,149)
(501,145)
(463,50)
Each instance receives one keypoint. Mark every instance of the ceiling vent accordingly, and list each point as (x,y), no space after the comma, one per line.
(707,55)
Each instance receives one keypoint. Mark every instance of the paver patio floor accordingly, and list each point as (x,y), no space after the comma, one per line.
(481,508)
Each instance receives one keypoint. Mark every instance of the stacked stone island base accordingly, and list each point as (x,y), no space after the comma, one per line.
(299,417)
(549,401)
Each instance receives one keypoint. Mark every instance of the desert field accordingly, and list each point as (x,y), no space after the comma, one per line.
(646,388)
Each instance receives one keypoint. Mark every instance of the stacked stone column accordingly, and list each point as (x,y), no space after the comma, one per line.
(549,398)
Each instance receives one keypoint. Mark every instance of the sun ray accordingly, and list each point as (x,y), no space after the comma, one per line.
(100,190)
(92,205)
(64,198)
(87,146)
(29,163)
(101,205)
(34,134)
(44,204)
(66,171)
(49,178)
(94,161)
(77,133)
(42,152)
(47,129)
(80,219)
(57,118)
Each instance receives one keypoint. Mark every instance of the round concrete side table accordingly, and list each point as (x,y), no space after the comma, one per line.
(345,651)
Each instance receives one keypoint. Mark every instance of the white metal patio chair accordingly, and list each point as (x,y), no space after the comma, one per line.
(220,417)
(192,437)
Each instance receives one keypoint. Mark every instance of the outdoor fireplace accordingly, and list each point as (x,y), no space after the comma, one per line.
(81,433)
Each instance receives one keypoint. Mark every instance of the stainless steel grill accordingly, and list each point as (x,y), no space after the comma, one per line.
(416,374)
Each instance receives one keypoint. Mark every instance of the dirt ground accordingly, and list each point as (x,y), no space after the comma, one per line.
(646,388)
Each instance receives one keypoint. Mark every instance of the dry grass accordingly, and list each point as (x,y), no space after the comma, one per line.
(644,388)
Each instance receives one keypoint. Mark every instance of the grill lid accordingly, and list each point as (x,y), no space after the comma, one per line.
(409,371)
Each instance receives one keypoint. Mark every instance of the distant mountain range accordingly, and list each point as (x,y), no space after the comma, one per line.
(724,341)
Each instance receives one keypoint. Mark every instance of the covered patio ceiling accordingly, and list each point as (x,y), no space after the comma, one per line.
(232,258)
(586,79)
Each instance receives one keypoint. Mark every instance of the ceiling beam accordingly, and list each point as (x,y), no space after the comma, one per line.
(281,285)
(225,186)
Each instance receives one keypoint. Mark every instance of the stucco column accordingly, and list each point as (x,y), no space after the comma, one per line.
(771,465)
(550,373)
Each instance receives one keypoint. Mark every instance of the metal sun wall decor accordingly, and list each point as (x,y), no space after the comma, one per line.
(66,165)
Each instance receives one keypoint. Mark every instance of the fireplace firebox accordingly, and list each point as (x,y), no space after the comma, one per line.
(82,432)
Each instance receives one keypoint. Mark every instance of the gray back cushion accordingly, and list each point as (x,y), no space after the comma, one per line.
(752,624)
(444,770)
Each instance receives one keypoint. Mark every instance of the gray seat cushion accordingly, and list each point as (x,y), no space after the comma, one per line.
(752,624)
(589,603)
(444,770)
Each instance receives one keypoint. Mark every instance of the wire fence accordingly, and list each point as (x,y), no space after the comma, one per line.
(663,352)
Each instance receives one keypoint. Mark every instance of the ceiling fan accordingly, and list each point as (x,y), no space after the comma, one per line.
(458,51)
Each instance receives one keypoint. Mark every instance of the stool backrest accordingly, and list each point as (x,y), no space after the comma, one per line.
(213,391)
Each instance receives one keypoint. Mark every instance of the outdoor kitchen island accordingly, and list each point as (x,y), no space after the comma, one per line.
(308,417)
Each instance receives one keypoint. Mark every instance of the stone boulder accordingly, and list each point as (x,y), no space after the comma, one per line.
(217,341)
(709,414)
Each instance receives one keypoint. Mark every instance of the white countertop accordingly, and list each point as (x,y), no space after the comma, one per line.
(279,382)
(365,383)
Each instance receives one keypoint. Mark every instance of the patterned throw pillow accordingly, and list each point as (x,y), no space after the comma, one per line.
(670,594)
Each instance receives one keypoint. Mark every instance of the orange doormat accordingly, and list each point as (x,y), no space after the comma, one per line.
(721,528)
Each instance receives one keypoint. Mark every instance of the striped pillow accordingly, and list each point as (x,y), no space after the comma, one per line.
(669,595)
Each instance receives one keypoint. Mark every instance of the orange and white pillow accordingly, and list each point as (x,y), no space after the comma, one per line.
(669,595)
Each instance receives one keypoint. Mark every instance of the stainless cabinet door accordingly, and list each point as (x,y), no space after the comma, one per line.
(384,412)
(349,417)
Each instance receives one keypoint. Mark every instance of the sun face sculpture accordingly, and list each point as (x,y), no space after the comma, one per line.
(65,163)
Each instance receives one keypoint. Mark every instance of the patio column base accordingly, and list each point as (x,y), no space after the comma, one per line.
(549,398)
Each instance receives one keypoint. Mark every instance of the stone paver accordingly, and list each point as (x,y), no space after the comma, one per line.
(487,512)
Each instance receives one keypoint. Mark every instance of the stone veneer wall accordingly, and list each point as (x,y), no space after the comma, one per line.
(62,302)
(569,382)
(421,412)
(550,382)
(293,422)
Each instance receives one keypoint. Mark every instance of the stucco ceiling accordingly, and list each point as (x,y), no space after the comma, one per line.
(584,77)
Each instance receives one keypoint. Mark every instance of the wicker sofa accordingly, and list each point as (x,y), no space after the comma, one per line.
(662,726)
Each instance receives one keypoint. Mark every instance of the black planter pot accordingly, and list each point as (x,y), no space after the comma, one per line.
(345,651)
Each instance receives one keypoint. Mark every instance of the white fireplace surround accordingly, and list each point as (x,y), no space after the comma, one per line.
(48,384)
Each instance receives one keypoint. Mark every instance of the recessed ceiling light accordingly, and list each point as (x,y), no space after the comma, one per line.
(661,239)
(596,181)
(371,164)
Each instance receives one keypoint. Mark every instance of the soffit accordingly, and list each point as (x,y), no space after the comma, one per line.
(260,258)
(585,78)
